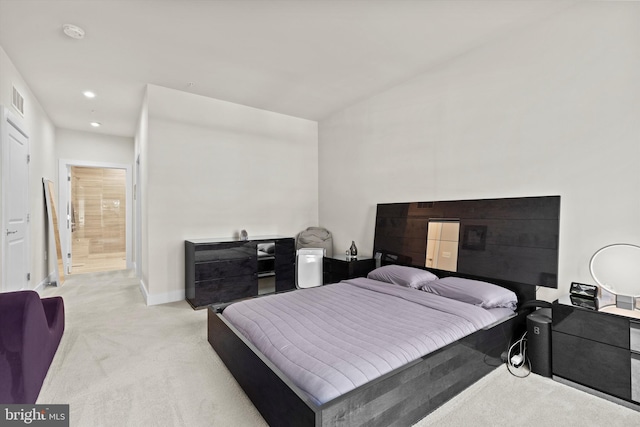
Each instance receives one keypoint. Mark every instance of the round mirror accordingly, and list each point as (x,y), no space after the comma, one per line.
(617,268)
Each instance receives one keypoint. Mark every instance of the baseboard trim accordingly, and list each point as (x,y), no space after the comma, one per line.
(143,291)
(157,299)
(40,287)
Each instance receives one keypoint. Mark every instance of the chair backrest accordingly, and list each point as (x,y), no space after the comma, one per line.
(315,237)
(309,263)
(18,308)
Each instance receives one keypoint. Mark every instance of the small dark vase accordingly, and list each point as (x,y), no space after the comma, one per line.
(353,250)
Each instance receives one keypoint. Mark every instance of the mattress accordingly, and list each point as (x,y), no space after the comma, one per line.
(331,339)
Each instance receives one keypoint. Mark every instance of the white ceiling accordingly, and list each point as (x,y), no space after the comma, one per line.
(305,58)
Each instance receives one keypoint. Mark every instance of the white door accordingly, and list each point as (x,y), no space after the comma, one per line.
(15,183)
(70,224)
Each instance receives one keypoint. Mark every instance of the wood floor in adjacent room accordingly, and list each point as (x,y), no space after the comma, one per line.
(122,363)
(93,263)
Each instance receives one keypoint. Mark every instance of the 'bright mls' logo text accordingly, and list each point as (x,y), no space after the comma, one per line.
(25,416)
(38,415)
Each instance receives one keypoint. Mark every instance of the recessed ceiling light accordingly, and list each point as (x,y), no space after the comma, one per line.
(95,124)
(89,94)
(73,31)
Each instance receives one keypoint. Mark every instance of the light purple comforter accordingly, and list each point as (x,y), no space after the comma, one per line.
(331,339)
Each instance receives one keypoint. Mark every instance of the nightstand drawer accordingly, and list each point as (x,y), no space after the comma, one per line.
(600,366)
(337,269)
(593,325)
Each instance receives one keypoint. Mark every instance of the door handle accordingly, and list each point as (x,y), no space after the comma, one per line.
(11,232)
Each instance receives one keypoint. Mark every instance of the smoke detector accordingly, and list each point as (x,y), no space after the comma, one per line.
(73,31)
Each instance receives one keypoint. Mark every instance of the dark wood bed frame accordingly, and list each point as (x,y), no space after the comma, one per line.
(412,391)
(398,398)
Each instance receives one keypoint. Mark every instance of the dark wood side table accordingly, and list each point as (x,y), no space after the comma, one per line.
(597,351)
(340,268)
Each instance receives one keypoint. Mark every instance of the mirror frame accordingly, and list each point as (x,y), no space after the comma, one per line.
(610,287)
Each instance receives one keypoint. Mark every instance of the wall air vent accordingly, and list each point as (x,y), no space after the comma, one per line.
(17,101)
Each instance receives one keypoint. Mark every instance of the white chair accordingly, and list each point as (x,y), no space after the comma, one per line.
(309,267)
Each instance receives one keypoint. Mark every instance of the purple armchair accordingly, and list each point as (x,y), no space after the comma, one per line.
(30,331)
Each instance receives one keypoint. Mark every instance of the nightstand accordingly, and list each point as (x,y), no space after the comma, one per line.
(340,268)
(597,352)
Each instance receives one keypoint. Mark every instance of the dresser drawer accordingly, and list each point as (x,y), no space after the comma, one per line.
(222,290)
(224,251)
(593,325)
(226,268)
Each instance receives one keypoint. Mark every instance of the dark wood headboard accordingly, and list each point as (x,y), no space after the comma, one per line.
(512,241)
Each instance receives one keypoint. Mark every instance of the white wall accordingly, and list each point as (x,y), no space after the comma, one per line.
(213,168)
(43,164)
(141,231)
(93,147)
(550,109)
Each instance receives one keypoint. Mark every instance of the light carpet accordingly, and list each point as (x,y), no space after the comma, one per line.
(121,363)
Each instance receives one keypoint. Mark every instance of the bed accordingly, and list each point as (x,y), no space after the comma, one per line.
(510,242)
(413,370)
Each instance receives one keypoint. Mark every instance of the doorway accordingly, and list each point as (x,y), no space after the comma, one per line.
(98,220)
(98,217)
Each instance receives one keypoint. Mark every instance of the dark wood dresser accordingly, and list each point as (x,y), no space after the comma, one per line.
(597,351)
(223,270)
